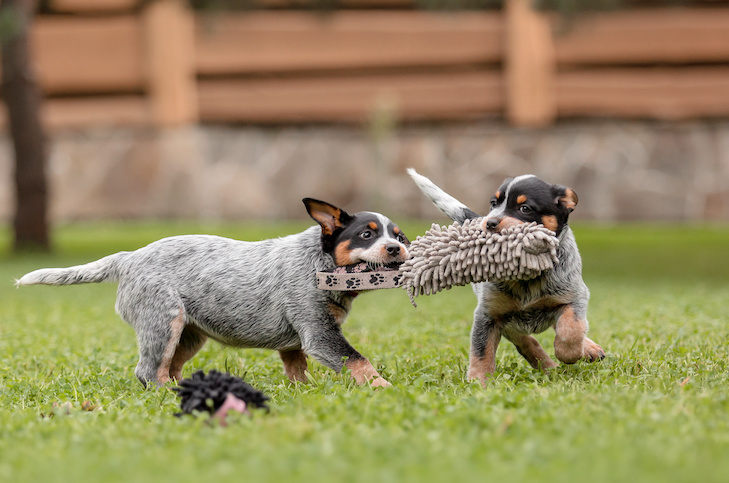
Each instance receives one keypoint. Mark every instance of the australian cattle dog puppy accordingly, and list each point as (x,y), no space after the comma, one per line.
(178,291)
(517,309)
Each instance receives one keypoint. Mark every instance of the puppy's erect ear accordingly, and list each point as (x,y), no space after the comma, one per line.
(328,216)
(566,197)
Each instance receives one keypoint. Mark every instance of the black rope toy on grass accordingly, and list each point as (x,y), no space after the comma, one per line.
(217,393)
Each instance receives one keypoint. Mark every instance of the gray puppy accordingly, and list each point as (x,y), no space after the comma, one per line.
(516,309)
(178,291)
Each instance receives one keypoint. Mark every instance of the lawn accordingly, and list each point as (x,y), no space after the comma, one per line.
(656,409)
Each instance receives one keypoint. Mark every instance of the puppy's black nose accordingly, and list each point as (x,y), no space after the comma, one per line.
(393,249)
(492,223)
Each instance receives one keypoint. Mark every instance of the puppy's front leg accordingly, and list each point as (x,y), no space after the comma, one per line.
(363,371)
(326,343)
(485,337)
(294,365)
(570,342)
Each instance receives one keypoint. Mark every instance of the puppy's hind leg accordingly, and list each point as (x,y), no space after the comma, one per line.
(157,315)
(531,350)
(191,341)
(158,342)
(485,337)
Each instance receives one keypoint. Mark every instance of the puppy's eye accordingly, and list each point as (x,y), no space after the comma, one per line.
(525,209)
(400,238)
(366,235)
(493,202)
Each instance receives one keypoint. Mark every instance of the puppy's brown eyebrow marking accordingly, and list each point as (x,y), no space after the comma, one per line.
(372,225)
(521,199)
(497,194)
(396,230)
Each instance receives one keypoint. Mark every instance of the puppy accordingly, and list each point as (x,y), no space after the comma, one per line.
(178,291)
(516,309)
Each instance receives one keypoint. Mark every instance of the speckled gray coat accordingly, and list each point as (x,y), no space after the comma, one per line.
(245,294)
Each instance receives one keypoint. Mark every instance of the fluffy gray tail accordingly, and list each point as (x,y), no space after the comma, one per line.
(453,208)
(101,270)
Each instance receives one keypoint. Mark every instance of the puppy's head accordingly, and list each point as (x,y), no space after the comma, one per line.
(363,237)
(527,198)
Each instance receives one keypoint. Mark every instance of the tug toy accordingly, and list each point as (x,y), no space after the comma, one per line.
(360,276)
(460,254)
(453,255)
(217,393)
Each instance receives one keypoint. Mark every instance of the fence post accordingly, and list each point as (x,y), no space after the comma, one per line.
(531,98)
(170,49)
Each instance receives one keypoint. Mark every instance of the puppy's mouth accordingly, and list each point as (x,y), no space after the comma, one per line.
(383,266)
(380,256)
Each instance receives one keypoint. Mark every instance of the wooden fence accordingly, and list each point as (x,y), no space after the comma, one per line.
(115,62)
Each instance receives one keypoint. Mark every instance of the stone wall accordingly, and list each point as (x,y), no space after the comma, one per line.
(620,170)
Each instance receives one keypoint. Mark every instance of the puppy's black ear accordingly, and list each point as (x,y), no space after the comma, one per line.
(565,197)
(328,216)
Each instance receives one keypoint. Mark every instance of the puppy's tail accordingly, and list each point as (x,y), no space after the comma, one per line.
(453,208)
(103,270)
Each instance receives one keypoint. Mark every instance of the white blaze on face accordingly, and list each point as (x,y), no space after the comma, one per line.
(499,210)
(376,253)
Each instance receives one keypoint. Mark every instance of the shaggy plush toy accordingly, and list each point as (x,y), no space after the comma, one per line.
(461,254)
(457,254)
(217,393)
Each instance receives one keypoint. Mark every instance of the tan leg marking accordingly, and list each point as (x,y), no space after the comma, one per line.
(532,351)
(294,365)
(363,371)
(570,336)
(338,312)
(480,367)
(591,351)
(186,349)
(176,326)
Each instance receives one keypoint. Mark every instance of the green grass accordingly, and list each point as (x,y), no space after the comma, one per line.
(656,409)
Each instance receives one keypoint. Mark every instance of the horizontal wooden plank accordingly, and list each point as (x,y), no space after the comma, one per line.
(72,113)
(97,111)
(83,55)
(106,6)
(671,35)
(341,3)
(657,93)
(414,97)
(93,6)
(299,41)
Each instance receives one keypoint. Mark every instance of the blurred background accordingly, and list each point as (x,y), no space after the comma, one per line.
(229,110)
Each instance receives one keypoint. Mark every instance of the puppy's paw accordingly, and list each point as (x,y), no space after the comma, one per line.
(379,382)
(592,352)
(474,376)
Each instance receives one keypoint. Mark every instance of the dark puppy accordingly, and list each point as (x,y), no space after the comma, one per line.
(516,309)
(178,291)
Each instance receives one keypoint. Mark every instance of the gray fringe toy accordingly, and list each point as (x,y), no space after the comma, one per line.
(457,254)
(461,254)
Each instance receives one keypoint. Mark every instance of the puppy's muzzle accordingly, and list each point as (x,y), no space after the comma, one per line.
(490,224)
(496,224)
(393,249)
